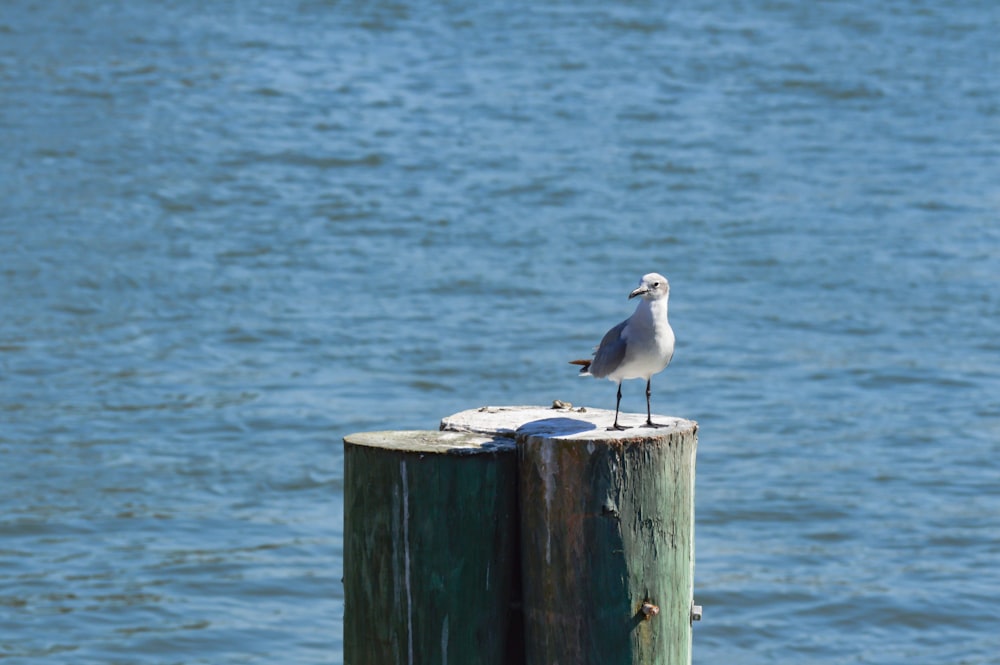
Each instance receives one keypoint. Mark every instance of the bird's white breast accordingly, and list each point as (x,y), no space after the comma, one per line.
(650,343)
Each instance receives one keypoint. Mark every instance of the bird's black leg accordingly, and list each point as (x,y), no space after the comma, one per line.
(618,404)
(649,415)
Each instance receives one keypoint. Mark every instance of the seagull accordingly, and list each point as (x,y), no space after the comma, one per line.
(638,347)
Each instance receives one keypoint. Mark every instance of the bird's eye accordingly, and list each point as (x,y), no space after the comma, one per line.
(656,285)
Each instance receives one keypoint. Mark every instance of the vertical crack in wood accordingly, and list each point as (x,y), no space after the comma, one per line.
(406,562)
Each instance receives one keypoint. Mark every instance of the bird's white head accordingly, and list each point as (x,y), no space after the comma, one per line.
(653,286)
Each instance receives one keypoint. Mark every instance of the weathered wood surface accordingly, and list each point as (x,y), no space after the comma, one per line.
(429,529)
(607,525)
(507,420)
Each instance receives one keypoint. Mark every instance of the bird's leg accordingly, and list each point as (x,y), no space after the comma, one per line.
(649,415)
(618,403)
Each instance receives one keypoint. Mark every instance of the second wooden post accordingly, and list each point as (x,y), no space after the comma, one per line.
(607,528)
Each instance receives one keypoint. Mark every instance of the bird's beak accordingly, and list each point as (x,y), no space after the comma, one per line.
(638,292)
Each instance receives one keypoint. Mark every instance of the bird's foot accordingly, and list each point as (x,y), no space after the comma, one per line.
(650,423)
(618,428)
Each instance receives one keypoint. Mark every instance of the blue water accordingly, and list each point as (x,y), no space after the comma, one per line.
(230,235)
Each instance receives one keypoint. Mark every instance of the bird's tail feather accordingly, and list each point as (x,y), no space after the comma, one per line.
(585,366)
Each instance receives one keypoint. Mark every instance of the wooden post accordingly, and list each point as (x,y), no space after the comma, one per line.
(429,527)
(607,533)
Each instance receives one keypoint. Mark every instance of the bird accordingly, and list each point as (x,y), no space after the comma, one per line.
(639,347)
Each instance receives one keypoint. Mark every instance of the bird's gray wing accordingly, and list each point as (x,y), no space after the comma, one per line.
(610,353)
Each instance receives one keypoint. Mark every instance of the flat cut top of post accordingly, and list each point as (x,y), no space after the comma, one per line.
(583,423)
(432,442)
